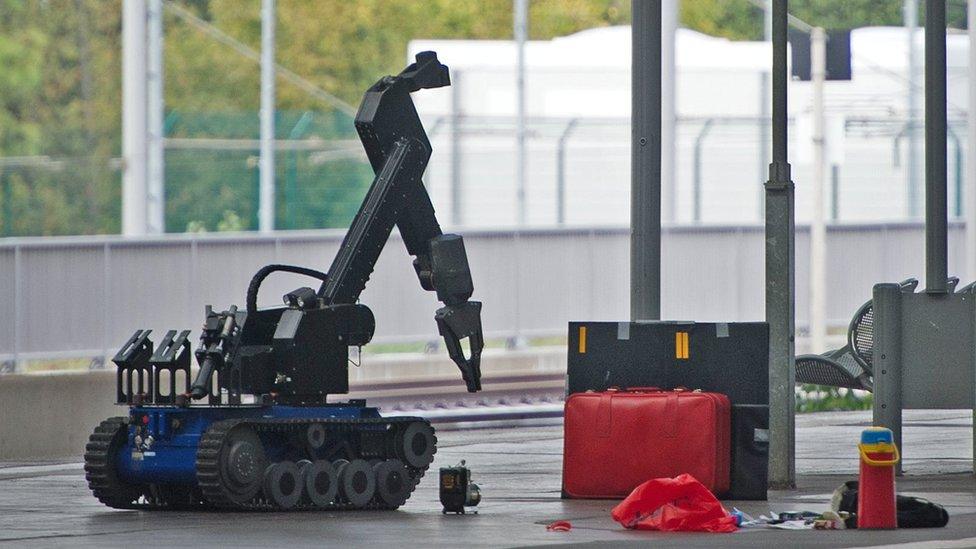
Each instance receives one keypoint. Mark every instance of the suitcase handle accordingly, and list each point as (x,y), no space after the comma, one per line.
(650,389)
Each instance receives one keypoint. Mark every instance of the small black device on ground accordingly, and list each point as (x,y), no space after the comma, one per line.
(457,490)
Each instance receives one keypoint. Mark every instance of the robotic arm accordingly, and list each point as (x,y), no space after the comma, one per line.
(398,149)
(459,319)
(299,352)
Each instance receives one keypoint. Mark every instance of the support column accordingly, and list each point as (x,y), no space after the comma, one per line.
(134,119)
(887,355)
(645,161)
(818,229)
(764,101)
(780,273)
(969,211)
(669,112)
(156,204)
(936,170)
(910,16)
(266,205)
(521,31)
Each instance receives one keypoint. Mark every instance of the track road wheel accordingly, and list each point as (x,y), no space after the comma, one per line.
(417,444)
(392,482)
(230,464)
(315,436)
(321,483)
(283,484)
(357,482)
(104,445)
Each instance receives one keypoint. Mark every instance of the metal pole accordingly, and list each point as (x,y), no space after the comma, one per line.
(669,27)
(768,21)
(764,110)
(780,274)
(8,207)
(956,170)
(835,191)
(910,16)
(134,118)
(763,138)
(970,193)
(696,179)
(156,199)
(561,171)
(457,205)
(645,161)
(291,177)
(521,23)
(266,207)
(886,412)
(19,312)
(970,208)
(936,201)
(818,229)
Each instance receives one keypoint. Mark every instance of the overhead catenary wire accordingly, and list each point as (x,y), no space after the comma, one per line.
(249,53)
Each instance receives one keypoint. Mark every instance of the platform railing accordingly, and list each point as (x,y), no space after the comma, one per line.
(82,297)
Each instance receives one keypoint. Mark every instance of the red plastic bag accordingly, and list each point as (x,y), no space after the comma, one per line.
(679,504)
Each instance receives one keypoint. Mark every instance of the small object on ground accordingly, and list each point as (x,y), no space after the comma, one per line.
(457,490)
(796,515)
(912,512)
(745,520)
(560,526)
(830,520)
(680,504)
(788,520)
(879,455)
(792,525)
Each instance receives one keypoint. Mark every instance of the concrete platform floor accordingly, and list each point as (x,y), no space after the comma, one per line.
(48,504)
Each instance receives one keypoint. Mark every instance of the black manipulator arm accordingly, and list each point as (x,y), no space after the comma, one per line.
(398,150)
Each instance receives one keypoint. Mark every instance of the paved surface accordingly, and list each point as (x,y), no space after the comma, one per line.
(48,504)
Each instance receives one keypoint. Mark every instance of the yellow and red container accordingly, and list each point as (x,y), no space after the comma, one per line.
(876,490)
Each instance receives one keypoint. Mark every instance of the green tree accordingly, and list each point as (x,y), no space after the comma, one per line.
(60,93)
(743,19)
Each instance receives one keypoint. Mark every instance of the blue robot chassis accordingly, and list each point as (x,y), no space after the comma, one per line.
(343,456)
(255,429)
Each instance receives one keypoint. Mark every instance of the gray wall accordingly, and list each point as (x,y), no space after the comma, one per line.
(50,416)
(84,296)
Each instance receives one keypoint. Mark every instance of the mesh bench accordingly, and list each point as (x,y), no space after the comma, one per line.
(851,366)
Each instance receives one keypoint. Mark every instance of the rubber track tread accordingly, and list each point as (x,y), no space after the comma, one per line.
(212,440)
(98,469)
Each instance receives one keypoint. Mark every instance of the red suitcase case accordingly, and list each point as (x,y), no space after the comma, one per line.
(618,439)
